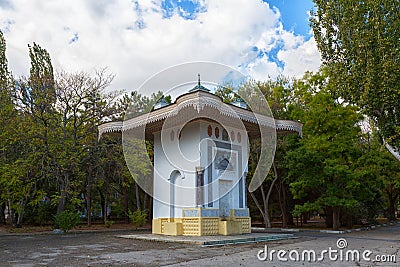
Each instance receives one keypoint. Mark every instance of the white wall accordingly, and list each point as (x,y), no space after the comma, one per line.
(185,155)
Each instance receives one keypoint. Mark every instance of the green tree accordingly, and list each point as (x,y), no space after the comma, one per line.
(82,104)
(322,166)
(378,164)
(132,105)
(41,79)
(62,116)
(37,102)
(359,43)
(4,72)
(5,103)
(276,93)
(275,186)
(10,183)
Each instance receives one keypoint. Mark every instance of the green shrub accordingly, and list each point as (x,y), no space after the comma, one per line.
(117,211)
(67,220)
(138,217)
(40,213)
(108,223)
(44,213)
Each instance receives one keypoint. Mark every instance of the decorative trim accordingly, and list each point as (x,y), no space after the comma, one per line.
(108,127)
(241,212)
(199,100)
(190,213)
(209,213)
(200,212)
(286,125)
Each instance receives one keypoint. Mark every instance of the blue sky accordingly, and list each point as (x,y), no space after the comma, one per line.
(137,38)
(294,14)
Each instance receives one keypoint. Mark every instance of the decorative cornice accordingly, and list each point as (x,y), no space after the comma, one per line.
(199,101)
(109,127)
(287,125)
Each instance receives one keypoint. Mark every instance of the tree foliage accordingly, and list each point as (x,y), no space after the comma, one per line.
(51,160)
(322,167)
(359,43)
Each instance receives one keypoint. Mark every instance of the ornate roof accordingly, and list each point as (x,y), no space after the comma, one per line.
(201,102)
(199,87)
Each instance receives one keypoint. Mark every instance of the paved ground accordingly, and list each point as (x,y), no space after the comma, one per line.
(216,240)
(106,249)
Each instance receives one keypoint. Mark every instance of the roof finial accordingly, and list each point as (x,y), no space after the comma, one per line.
(199,86)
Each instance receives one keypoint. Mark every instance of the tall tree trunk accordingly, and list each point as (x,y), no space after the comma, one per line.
(269,194)
(267,221)
(2,213)
(102,199)
(288,204)
(150,215)
(63,193)
(265,210)
(145,199)
(282,204)
(328,217)
(62,201)
(125,199)
(335,218)
(260,208)
(105,210)
(304,217)
(21,214)
(89,197)
(10,212)
(138,204)
(392,205)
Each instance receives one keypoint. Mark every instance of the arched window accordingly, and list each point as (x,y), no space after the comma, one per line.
(172,179)
(209,130)
(233,136)
(216,132)
(225,136)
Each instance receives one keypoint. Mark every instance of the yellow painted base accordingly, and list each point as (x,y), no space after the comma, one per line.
(230,227)
(201,226)
(246,224)
(156,226)
(173,228)
(198,226)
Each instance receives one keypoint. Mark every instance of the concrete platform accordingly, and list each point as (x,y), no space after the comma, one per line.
(212,240)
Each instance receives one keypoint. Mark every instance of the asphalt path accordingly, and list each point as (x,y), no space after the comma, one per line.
(106,249)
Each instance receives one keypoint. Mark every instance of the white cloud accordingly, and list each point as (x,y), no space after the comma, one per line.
(135,41)
(301,58)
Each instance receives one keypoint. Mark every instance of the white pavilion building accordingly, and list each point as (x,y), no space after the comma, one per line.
(200,162)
